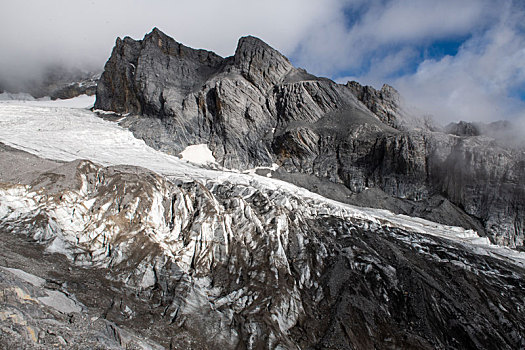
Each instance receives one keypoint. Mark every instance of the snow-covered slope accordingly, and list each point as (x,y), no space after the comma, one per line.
(67,134)
(82,101)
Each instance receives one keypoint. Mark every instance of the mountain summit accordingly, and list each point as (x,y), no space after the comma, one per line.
(348,142)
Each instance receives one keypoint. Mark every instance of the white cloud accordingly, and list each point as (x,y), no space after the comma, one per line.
(477,83)
(384,26)
(36,32)
(372,40)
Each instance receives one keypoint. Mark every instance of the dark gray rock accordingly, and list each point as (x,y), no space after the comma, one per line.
(506,133)
(87,87)
(139,75)
(463,129)
(260,64)
(255,109)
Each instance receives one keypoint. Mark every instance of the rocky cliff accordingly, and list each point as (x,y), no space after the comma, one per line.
(255,109)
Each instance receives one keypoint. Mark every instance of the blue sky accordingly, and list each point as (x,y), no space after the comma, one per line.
(455,60)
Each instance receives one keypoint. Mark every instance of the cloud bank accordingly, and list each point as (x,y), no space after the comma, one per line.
(392,42)
(36,33)
(456,60)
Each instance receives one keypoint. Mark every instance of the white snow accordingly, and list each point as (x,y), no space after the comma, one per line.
(68,134)
(82,101)
(198,154)
(253,171)
(71,133)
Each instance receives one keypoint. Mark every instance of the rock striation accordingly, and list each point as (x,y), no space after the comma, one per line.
(255,109)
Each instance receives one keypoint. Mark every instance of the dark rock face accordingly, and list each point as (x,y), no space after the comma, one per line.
(463,129)
(255,109)
(75,89)
(136,75)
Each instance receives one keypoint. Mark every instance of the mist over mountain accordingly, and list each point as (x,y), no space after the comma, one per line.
(53,81)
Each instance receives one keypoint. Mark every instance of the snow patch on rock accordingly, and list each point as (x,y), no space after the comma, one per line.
(198,154)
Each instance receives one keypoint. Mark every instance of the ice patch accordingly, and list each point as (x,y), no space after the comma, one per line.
(198,154)
(58,246)
(269,170)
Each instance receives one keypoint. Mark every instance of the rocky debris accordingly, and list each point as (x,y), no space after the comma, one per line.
(41,314)
(255,109)
(190,264)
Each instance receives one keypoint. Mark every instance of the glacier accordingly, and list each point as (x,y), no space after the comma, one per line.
(50,130)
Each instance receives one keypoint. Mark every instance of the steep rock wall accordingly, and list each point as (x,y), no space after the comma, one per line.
(255,109)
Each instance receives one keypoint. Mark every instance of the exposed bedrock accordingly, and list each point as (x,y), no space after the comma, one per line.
(255,109)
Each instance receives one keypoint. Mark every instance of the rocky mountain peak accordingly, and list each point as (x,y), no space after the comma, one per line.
(384,103)
(259,63)
(462,128)
(390,93)
(156,32)
(255,109)
(158,38)
(253,44)
(163,63)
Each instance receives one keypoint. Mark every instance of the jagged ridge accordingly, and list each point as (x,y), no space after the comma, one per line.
(256,109)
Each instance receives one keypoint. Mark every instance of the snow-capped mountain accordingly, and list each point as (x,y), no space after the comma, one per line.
(187,238)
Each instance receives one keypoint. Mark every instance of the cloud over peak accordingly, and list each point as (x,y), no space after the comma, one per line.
(479,75)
